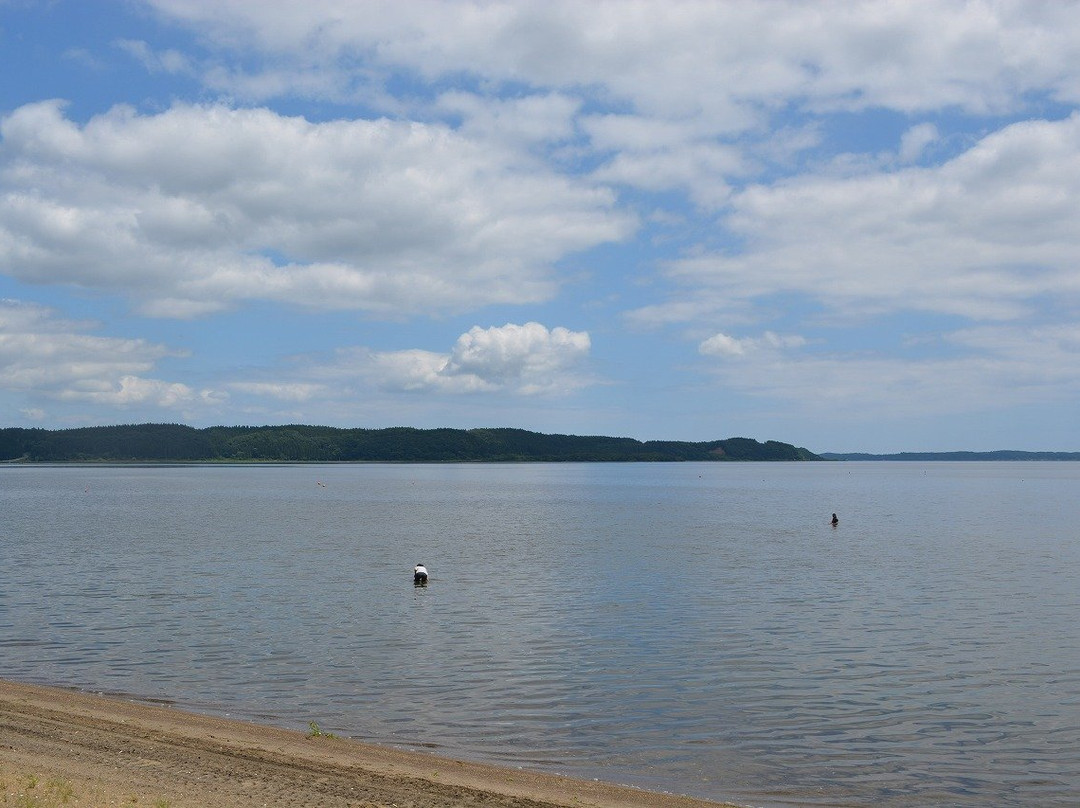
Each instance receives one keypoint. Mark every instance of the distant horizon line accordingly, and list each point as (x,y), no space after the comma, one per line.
(955,455)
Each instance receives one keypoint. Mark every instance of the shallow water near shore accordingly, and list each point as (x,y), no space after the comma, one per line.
(698,628)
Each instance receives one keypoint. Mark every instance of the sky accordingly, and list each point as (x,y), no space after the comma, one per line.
(850,226)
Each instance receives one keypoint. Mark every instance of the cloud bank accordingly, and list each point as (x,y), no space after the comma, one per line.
(199,208)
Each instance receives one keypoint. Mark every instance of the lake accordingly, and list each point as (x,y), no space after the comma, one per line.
(694,627)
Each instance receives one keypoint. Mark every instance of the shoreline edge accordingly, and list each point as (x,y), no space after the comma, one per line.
(79,748)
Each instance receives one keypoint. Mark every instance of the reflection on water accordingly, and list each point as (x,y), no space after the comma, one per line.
(695,627)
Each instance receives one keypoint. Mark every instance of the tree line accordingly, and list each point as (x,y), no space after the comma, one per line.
(299,443)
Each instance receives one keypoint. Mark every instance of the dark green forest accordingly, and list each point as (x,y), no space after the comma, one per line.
(175,443)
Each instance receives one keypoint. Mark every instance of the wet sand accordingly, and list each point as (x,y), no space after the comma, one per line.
(59,747)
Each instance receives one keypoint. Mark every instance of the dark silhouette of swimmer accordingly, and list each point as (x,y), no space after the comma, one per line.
(835,520)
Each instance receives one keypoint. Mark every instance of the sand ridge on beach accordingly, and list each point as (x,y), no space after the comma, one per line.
(60,747)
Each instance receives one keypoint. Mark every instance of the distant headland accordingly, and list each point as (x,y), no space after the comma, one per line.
(176,443)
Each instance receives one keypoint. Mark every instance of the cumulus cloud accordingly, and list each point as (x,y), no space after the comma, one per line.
(526,364)
(526,359)
(55,359)
(197,208)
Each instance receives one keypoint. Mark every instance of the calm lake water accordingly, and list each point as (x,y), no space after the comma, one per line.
(698,628)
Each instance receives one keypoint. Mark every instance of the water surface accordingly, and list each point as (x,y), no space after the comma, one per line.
(698,628)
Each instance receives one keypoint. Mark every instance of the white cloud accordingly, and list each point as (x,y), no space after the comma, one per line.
(699,168)
(721,60)
(37,351)
(194,209)
(53,359)
(167,61)
(416,369)
(671,96)
(526,359)
(128,390)
(994,368)
(525,362)
(533,119)
(723,345)
(915,140)
(283,391)
(984,236)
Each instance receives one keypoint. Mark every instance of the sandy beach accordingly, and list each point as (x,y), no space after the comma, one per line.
(59,747)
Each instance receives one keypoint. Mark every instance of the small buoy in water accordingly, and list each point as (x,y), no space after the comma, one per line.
(419,575)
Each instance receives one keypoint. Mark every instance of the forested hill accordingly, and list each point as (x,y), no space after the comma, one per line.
(177,443)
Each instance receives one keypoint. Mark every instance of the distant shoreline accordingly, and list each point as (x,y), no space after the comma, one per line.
(924,457)
(299,443)
(177,444)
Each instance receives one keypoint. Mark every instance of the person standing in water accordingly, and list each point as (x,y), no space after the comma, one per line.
(835,520)
(419,574)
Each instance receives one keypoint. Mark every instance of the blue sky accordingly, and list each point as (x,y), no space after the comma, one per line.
(852,227)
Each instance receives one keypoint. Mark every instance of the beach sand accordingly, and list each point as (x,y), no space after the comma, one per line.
(65,748)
